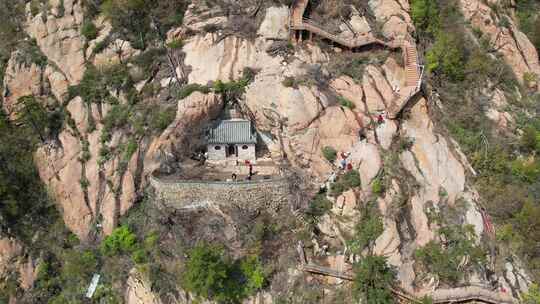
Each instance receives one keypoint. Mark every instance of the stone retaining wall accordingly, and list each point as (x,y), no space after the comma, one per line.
(182,194)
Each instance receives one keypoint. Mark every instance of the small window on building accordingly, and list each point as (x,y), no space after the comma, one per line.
(217,147)
(244,147)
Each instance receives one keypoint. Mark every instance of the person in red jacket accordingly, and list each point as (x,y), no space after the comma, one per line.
(380,119)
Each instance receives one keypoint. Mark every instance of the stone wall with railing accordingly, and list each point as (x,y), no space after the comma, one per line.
(185,194)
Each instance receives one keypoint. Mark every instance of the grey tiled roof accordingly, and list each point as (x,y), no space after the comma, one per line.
(232,132)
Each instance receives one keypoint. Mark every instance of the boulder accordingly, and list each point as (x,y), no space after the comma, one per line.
(274,25)
(345,204)
(366,159)
(138,290)
(379,93)
(20,79)
(346,87)
(394,16)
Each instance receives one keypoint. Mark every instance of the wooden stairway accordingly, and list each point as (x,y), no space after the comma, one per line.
(467,294)
(413,79)
(299,23)
(413,71)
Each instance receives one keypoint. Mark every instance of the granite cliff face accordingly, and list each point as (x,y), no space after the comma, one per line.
(424,169)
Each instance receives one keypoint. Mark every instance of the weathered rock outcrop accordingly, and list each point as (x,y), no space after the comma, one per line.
(20,79)
(59,38)
(138,290)
(9,249)
(517,50)
(275,23)
(297,121)
(394,16)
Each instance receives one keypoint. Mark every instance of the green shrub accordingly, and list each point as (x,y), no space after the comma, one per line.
(232,91)
(530,139)
(319,206)
(367,229)
(34,116)
(529,20)
(426,300)
(445,261)
(163,119)
(89,30)
(151,241)
(337,189)
(253,274)
(527,170)
(329,153)
(425,15)
(117,117)
(176,44)
(405,144)
(130,148)
(85,183)
(61,8)
(136,20)
(101,45)
(106,294)
(92,88)
(373,280)
(377,186)
(79,266)
(248,74)
(344,102)
(30,53)
(35,7)
(289,82)
(351,179)
(206,271)
(186,90)
(530,77)
(117,77)
(526,218)
(148,60)
(210,275)
(446,57)
(139,256)
(24,212)
(532,296)
(121,240)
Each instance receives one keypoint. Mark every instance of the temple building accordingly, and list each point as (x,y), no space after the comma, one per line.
(232,139)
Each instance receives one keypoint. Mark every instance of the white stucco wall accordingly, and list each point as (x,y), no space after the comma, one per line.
(248,154)
(214,154)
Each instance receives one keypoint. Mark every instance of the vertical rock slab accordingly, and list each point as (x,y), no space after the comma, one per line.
(59,39)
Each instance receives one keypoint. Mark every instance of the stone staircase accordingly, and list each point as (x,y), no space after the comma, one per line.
(413,71)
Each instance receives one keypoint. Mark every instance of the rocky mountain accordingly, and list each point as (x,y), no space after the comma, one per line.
(432,104)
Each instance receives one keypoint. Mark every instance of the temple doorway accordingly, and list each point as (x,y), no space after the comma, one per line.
(232,151)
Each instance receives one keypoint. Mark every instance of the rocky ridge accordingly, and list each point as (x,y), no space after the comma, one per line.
(300,119)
